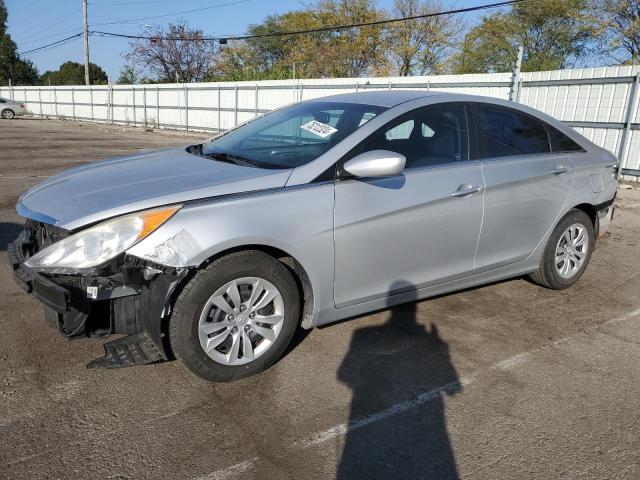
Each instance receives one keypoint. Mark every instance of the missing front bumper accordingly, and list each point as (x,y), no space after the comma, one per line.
(122,298)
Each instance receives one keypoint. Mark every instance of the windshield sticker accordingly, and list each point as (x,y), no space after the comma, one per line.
(320,129)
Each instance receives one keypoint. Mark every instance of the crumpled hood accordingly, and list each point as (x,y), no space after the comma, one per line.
(93,192)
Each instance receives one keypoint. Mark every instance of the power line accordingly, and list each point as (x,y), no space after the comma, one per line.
(53,44)
(65,18)
(49,36)
(279,34)
(142,2)
(133,20)
(316,30)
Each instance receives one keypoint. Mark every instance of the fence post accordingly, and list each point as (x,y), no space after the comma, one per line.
(73,103)
(186,107)
(110,100)
(626,133)
(235,106)
(91,100)
(514,93)
(390,85)
(133,91)
(40,100)
(55,100)
(256,104)
(301,91)
(11,91)
(219,110)
(158,107)
(144,103)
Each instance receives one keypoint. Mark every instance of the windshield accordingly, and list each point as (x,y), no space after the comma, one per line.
(290,137)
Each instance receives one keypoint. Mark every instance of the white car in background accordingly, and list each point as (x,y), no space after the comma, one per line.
(10,109)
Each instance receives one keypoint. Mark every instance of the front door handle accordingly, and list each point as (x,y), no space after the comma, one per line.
(560,169)
(465,190)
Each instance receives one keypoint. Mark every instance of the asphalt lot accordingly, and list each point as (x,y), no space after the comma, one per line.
(505,381)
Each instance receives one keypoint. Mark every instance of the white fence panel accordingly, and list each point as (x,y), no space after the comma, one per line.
(595,101)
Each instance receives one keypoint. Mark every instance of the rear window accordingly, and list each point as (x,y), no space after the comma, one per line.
(505,132)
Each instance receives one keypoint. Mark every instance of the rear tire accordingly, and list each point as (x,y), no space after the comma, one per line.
(7,114)
(567,253)
(221,330)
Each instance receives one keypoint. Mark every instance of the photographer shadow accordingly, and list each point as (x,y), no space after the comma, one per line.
(399,374)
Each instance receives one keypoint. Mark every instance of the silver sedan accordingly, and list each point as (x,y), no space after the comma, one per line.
(10,109)
(216,253)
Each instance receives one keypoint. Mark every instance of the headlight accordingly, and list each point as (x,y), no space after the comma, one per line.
(96,245)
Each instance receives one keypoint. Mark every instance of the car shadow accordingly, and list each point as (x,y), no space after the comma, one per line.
(9,231)
(387,368)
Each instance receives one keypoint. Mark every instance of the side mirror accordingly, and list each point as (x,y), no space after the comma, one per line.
(376,163)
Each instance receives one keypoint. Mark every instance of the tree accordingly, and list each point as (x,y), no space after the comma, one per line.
(264,58)
(128,75)
(175,54)
(72,73)
(554,35)
(242,61)
(20,72)
(338,53)
(346,53)
(618,28)
(425,45)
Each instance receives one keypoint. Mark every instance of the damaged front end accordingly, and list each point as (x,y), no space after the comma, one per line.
(128,295)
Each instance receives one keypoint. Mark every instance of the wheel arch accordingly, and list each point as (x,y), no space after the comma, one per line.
(591,212)
(296,268)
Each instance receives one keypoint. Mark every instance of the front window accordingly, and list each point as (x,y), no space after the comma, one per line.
(426,137)
(291,137)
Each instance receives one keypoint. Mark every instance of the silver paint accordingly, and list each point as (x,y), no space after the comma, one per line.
(440,229)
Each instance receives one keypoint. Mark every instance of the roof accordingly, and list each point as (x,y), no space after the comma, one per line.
(382,98)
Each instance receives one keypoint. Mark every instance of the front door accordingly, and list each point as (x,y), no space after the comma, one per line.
(416,229)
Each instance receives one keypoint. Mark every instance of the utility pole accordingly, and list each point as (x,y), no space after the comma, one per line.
(86,41)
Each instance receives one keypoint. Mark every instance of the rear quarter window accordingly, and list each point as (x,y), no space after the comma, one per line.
(561,143)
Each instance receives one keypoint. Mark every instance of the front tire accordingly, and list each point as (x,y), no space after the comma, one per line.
(7,114)
(567,253)
(235,317)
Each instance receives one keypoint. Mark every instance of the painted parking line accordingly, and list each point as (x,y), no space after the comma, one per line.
(343,429)
(230,471)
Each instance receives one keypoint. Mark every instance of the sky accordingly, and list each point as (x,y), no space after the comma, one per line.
(34,23)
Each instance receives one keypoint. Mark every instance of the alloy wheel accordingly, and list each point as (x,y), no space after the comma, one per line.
(571,250)
(241,321)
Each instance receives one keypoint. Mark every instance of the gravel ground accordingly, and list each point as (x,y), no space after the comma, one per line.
(504,381)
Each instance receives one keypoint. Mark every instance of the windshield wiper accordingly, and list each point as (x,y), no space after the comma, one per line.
(243,161)
(235,159)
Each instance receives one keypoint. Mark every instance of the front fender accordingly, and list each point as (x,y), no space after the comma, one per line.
(296,220)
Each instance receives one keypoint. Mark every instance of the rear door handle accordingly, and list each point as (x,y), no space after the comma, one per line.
(560,169)
(466,190)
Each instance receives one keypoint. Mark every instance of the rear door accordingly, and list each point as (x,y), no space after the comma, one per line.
(415,229)
(527,184)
